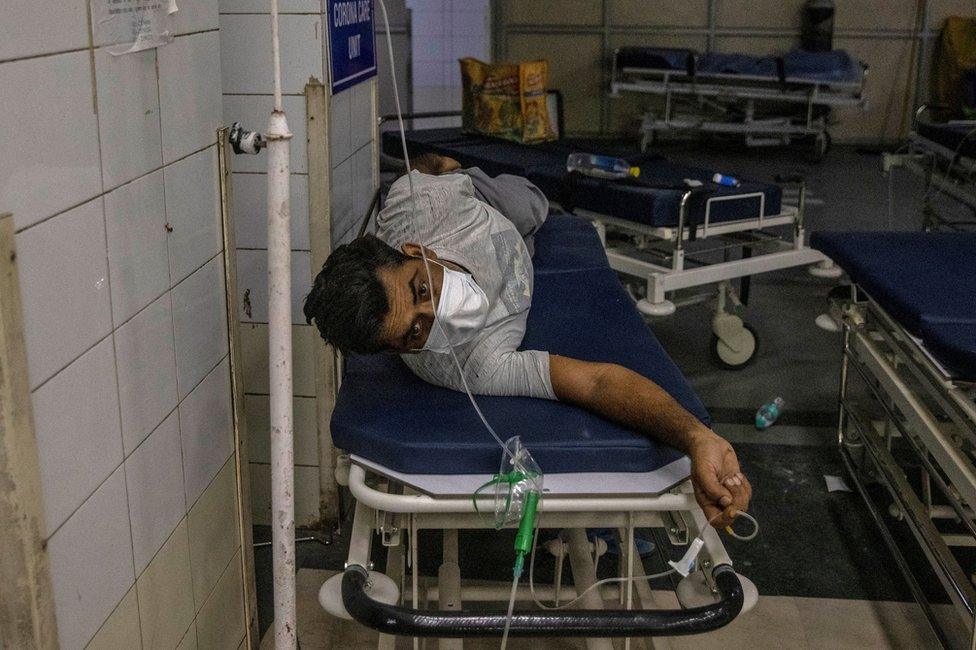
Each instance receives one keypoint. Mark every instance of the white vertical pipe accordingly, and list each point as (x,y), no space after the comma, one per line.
(279,362)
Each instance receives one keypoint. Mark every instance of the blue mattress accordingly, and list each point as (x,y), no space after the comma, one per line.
(387,415)
(654,201)
(836,66)
(959,138)
(923,280)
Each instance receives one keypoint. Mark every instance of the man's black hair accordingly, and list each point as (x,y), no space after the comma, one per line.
(348,301)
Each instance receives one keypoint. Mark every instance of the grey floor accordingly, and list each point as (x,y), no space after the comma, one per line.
(798,362)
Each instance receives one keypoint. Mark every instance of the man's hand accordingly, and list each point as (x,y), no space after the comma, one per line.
(720,487)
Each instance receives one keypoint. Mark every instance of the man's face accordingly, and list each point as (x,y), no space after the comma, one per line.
(412,300)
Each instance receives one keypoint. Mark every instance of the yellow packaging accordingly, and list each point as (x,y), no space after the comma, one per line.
(954,55)
(506,100)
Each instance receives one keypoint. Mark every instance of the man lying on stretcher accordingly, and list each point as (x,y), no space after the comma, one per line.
(373,295)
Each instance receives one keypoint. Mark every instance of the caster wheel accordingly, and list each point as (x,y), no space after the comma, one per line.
(825,269)
(381,587)
(735,359)
(663,308)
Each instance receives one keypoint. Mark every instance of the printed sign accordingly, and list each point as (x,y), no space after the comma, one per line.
(352,43)
(133,25)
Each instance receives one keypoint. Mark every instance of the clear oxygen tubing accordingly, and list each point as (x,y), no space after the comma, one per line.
(423,251)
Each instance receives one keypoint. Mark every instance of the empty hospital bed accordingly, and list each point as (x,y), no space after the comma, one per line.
(944,155)
(769,100)
(669,237)
(416,453)
(907,426)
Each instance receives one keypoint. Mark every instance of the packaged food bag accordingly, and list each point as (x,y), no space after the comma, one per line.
(506,100)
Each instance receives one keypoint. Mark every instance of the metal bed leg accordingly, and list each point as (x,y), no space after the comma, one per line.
(584,575)
(449,584)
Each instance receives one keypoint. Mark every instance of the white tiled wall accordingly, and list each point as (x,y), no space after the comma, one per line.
(247,85)
(110,172)
(443,31)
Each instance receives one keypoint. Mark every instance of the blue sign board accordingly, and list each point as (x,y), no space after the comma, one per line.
(352,42)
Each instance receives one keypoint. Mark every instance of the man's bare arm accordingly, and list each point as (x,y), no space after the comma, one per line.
(631,400)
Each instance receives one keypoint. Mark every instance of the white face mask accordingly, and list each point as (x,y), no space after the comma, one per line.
(461,312)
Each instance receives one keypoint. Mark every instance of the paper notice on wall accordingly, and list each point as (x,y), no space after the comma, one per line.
(134,25)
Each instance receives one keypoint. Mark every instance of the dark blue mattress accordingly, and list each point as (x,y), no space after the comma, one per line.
(959,138)
(653,200)
(387,415)
(925,281)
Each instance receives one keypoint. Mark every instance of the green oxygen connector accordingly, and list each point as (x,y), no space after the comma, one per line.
(526,530)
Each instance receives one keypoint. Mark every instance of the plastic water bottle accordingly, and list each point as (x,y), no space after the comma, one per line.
(728,181)
(768,413)
(600,166)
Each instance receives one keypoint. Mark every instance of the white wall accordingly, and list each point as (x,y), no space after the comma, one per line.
(247,87)
(109,168)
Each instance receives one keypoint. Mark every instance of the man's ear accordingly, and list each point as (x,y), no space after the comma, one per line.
(414,250)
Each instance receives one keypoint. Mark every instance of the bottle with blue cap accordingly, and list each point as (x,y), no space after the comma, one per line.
(607,167)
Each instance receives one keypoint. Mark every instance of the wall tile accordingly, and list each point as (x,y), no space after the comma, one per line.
(154,480)
(91,563)
(220,623)
(214,531)
(254,342)
(206,429)
(56,163)
(189,641)
(876,14)
(245,46)
(554,12)
(128,115)
(33,27)
(193,213)
(469,23)
(251,211)
(343,201)
(189,93)
(165,593)
(253,111)
(340,136)
(762,13)
(363,183)
(77,285)
(361,115)
(306,494)
(195,16)
(888,61)
(401,55)
(135,218)
(264,6)
(199,324)
(257,412)
(252,276)
(121,629)
(79,438)
(146,361)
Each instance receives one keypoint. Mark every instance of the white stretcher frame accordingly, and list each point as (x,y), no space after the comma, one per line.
(751,90)
(911,402)
(930,161)
(662,279)
(390,507)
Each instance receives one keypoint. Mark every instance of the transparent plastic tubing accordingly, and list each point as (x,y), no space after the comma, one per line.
(392,619)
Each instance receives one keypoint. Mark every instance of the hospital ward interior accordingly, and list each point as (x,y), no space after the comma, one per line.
(416,324)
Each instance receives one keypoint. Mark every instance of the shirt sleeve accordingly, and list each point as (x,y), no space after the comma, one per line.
(515,197)
(519,373)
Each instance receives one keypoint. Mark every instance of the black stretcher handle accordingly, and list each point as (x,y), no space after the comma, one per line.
(403,621)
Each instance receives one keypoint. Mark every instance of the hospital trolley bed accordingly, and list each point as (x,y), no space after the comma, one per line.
(944,155)
(769,100)
(907,427)
(667,236)
(416,453)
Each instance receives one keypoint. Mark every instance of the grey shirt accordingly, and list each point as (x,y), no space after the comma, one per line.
(480,223)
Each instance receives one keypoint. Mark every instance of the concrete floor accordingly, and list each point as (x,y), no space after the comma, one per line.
(798,362)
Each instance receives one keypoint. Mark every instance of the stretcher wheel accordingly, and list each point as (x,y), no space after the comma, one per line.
(725,357)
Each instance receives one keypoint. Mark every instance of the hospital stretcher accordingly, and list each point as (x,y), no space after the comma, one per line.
(907,427)
(944,155)
(415,454)
(668,236)
(769,100)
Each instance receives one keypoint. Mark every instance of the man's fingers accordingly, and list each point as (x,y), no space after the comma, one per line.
(708,484)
